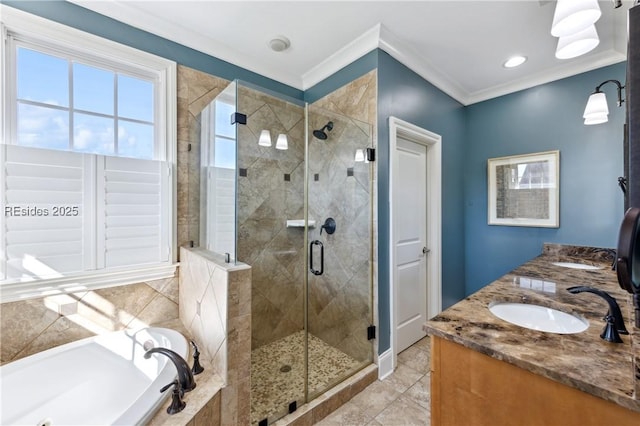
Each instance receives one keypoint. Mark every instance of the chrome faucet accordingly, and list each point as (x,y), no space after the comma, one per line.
(185,377)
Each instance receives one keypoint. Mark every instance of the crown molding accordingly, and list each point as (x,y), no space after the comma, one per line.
(353,51)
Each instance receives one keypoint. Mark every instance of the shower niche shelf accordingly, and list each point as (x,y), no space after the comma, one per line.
(299,223)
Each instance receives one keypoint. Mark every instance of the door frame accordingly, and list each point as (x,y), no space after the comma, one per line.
(433,142)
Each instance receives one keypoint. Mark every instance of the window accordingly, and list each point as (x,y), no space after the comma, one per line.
(66,103)
(88,155)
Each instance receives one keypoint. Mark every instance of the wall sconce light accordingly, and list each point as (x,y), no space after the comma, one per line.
(572,16)
(365,155)
(597,111)
(265,138)
(281,142)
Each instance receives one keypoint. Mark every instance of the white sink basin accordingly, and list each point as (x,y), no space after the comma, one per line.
(576,265)
(539,318)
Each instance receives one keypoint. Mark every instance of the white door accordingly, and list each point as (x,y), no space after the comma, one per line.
(410,236)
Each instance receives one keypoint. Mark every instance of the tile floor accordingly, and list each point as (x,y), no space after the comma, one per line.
(401,399)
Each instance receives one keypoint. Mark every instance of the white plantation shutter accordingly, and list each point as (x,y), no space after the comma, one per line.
(40,188)
(133,206)
(67,213)
(218,230)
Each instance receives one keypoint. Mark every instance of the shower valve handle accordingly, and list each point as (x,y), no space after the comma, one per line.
(329,225)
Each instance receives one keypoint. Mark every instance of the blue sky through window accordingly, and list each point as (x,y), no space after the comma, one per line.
(45,104)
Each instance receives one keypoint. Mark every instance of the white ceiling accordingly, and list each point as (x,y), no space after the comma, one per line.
(459,46)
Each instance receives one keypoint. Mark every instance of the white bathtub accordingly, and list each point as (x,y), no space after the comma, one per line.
(96,381)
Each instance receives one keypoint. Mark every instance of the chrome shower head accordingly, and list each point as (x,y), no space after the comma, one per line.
(321,134)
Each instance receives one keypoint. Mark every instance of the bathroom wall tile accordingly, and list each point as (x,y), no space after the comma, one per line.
(239,293)
(159,309)
(20,323)
(362,379)
(333,400)
(219,285)
(209,415)
(114,307)
(239,344)
(182,115)
(229,401)
(244,400)
(168,287)
(62,331)
(212,324)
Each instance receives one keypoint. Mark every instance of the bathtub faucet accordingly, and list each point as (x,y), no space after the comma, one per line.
(184,371)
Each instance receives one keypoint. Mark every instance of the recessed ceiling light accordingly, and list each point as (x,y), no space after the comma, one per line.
(514,61)
(279,44)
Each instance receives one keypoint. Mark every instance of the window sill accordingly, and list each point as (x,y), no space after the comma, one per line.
(14,291)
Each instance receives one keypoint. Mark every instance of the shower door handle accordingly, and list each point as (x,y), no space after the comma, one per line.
(316,243)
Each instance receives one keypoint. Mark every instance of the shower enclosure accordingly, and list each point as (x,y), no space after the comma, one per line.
(297,207)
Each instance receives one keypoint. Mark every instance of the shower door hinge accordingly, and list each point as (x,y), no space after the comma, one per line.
(371,332)
(239,118)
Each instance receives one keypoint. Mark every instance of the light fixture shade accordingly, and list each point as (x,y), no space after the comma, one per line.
(577,44)
(572,16)
(281,142)
(596,111)
(265,138)
(359,155)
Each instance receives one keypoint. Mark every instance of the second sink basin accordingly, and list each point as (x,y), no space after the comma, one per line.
(573,265)
(540,318)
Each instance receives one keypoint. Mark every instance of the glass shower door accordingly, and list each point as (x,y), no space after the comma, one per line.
(339,248)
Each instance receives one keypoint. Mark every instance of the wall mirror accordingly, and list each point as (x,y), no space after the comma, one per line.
(524,190)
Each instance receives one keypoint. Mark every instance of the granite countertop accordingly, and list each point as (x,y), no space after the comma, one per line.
(583,361)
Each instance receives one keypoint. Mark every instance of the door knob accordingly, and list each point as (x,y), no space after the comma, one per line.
(425,250)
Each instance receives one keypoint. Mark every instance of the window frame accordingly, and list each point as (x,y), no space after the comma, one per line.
(90,49)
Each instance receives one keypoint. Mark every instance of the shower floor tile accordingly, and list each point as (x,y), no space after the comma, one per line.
(277,373)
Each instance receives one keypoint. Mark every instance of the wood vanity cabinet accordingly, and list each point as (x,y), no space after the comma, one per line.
(469,388)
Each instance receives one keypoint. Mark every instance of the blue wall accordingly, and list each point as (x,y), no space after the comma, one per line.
(546,117)
(404,94)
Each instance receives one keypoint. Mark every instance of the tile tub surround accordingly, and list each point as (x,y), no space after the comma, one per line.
(35,325)
(582,361)
(215,308)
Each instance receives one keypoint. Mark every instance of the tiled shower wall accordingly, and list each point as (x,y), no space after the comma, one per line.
(34,325)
